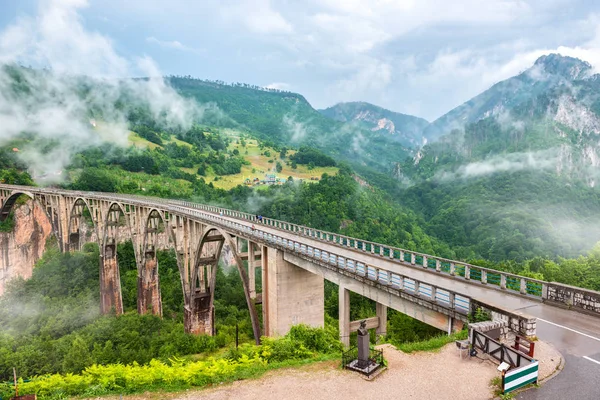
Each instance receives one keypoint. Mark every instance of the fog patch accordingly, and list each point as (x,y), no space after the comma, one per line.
(58,103)
(512,162)
(296,130)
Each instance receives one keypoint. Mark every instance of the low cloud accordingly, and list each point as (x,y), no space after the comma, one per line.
(295,129)
(79,101)
(278,86)
(513,162)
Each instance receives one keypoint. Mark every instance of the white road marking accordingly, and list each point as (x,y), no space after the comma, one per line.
(592,360)
(569,329)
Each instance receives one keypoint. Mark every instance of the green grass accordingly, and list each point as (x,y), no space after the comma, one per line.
(8,224)
(433,344)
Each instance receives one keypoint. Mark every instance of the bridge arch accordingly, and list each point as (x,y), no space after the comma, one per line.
(199,296)
(9,202)
(74,223)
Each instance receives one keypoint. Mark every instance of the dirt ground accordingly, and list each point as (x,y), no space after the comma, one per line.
(437,376)
(420,376)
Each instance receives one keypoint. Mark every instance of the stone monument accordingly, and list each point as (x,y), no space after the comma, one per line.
(362,359)
(363,345)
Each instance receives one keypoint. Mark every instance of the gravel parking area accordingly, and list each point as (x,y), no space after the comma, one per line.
(419,376)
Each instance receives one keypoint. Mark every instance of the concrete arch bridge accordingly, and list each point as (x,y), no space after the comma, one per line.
(294,261)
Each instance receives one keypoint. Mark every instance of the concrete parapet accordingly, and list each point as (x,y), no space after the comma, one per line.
(571,297)
(487,326)
(517,321)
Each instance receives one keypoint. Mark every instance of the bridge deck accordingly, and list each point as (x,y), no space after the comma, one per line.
(573,331)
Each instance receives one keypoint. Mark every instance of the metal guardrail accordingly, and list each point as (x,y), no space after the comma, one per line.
(375,357)
(506,281)
(510,283)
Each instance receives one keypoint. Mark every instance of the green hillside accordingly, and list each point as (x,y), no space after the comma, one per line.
(287,119)
(406,129)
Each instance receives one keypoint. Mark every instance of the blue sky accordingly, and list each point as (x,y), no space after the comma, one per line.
(421,57)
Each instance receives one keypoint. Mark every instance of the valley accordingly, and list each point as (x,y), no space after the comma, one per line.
(512,189)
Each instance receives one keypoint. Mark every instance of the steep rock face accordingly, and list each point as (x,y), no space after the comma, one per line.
(21,248)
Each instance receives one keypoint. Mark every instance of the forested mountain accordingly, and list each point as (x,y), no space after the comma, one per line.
(517,182)
(547,73)
(287,119)
(406,129)
(522,181)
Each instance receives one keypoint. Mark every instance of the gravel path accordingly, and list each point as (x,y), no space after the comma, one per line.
(419,376)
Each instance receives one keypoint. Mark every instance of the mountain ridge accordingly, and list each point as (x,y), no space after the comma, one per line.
(548,71)
(402,127)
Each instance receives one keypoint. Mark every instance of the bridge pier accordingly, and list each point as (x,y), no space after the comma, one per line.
(252,263)
(110,281)
(379,322)
(199,320)
(149,299)
(291,295)
(381,313)
(344,315)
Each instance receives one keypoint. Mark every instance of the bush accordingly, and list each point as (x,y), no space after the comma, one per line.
(248,360)
(307,155)
(95,180)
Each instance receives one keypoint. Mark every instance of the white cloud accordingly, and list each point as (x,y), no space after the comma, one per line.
(57,107)
(512,162)
(372,77)
(171,44)
(258,16)
(278,86)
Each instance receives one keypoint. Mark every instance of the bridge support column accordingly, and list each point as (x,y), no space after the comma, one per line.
(110,281)
(200,318)
(291,295)
(344,315)
(381,311)
(252,269)
(149,299)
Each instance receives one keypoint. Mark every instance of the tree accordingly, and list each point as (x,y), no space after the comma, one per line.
(278,167)
(78,356)
(95,180)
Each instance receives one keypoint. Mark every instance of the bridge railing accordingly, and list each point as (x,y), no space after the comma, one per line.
(485,276)
(580,299)
(364,272)
(439,298)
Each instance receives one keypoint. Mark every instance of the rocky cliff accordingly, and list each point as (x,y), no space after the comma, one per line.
(21,248)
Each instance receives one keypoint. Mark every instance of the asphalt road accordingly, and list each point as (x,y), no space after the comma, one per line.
(577,337)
